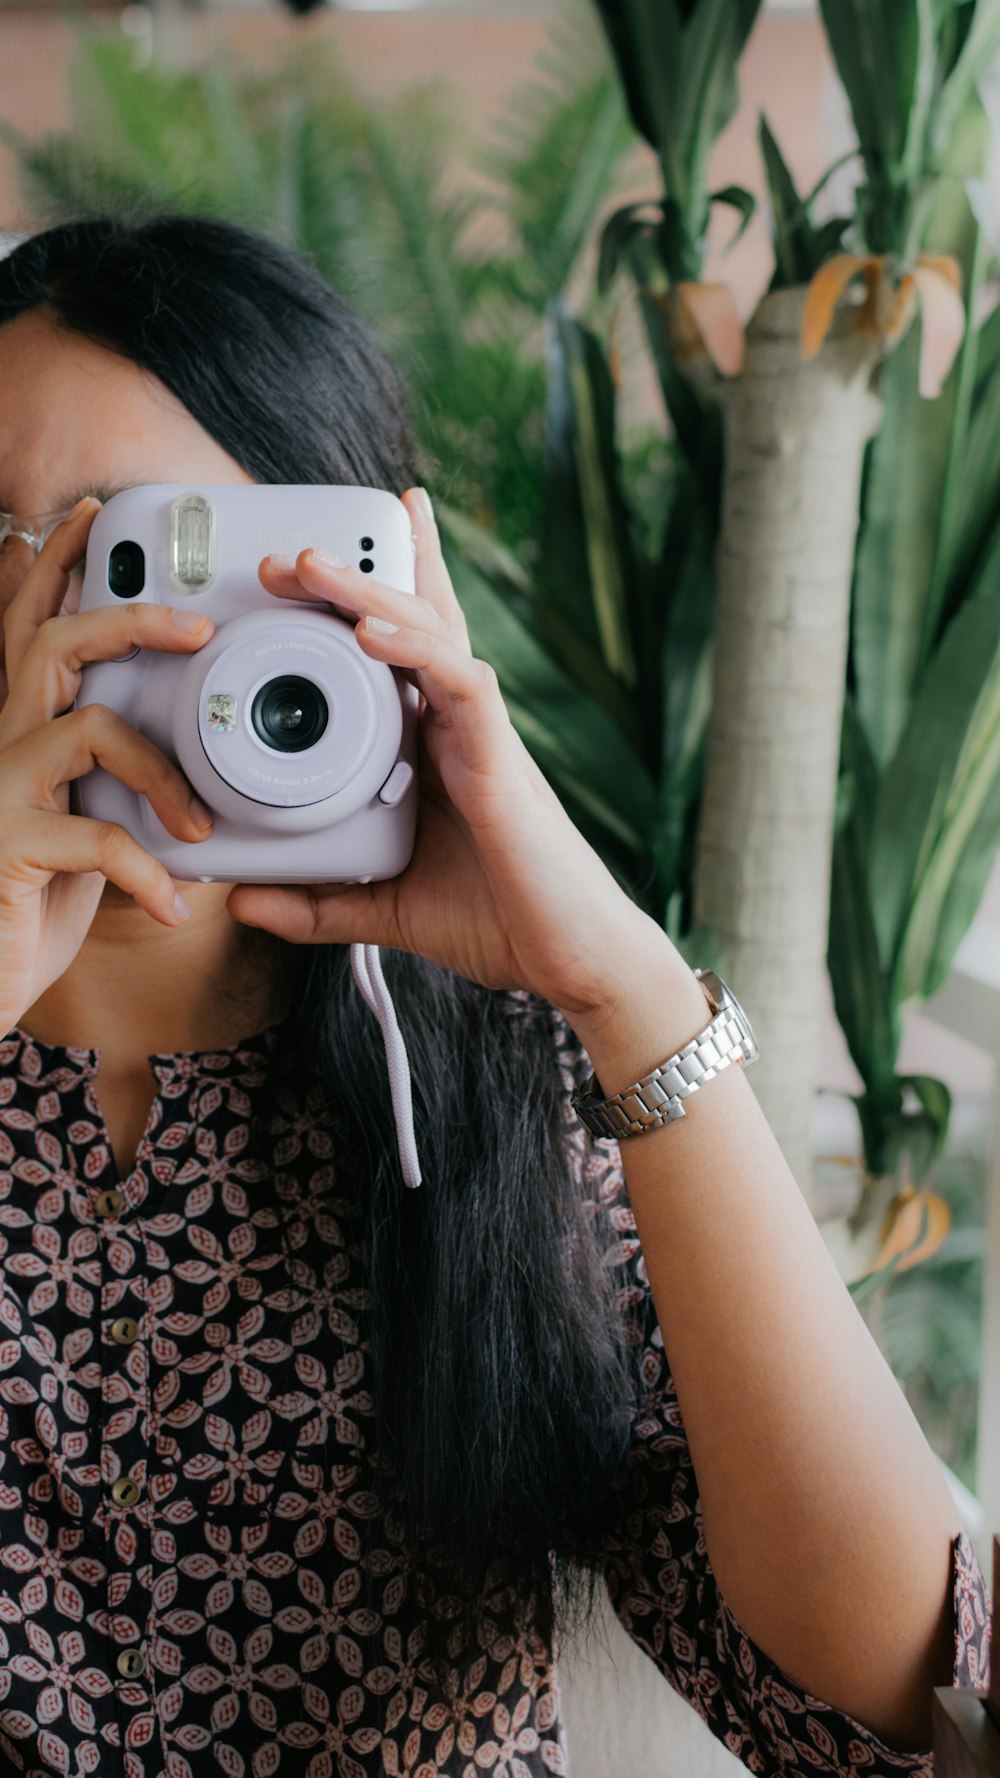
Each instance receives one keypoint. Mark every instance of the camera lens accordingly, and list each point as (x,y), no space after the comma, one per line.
(126,570)
(290,714)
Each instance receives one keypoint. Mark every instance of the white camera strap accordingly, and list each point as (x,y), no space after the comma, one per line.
(366,968)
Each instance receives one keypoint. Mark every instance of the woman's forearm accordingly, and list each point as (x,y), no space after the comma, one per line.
(827,1518)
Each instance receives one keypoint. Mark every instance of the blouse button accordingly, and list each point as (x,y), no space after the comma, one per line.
(125,1492)
(109,1203)
(129,1663)
(124,1331)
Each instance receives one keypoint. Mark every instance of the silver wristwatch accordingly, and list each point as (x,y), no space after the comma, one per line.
(659,1096)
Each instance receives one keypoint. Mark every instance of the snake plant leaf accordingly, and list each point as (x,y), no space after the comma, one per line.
(885,56)
(977,54)
(936,1101)
(714,37)
(619,230)
(800,245)
(977,491)
(894,563)
(790,226)
(737,198)
(587,560)
(858,977)
(568,644)
(678,65)
(686,692)
(937,824)
(581,751)
(645,39)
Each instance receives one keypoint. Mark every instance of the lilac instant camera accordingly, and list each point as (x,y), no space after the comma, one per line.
(303,748)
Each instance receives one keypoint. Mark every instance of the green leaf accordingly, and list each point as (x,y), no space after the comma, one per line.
(858,977)
(937,822)
(646,41)
(555,152)
(678,66)
(581,751)
(564,637)
(587,544)
(795,245)
(894,562)
(687,570)
(977,57)
(618,233)
(740,200)
(977,500)
(885,58)
(935,1098)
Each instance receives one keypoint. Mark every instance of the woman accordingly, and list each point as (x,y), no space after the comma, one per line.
(298,1467)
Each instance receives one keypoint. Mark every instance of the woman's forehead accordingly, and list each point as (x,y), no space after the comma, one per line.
(76,418)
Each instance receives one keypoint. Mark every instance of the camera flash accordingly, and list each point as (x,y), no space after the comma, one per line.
(192,542)
(220,712)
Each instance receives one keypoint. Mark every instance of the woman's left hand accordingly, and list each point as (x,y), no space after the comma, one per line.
(502,888)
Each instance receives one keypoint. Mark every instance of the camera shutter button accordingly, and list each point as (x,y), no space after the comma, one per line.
(397,784)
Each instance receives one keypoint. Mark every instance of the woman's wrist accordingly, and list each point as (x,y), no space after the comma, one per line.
(654,1005)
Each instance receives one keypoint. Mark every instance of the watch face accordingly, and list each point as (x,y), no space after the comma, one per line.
(714,986)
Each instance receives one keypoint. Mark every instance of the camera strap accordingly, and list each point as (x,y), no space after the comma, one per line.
(366,968)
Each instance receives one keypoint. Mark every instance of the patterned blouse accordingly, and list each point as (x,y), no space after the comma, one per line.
(182,1490)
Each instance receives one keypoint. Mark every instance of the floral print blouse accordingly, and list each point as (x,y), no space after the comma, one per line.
(183,1485)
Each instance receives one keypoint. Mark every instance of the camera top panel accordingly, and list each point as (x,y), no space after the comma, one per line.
(178,543)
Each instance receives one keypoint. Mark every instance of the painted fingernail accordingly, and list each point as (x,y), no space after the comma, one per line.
(328,560)
(190,620)
(424,503)
(181,908)
(379,623)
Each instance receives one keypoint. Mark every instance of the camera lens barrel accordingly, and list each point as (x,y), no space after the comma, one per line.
(290,713)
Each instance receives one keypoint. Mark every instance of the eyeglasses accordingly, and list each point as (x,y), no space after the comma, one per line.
(34,531)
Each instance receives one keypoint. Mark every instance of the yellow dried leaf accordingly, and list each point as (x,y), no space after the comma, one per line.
(906,1234)
(825,292)
(946,264)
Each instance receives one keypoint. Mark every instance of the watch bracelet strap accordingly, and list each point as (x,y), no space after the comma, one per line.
(657,1098)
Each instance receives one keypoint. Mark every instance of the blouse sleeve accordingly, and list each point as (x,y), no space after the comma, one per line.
(656,1563)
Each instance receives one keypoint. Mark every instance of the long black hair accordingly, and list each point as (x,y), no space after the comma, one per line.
(502,1388)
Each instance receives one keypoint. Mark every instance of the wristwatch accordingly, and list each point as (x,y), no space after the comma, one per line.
(658,1098)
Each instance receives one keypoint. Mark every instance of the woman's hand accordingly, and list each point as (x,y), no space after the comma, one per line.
(54,865)
(502,887)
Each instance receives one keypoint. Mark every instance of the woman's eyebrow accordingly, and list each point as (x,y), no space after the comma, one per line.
(103,490)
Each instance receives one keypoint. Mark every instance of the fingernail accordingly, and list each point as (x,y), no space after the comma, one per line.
(181,907)
(424,503)
(379,623)
(284,564)
(200,814)
(328,561)
(190,620)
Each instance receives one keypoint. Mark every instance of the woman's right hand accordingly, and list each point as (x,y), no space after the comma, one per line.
(54,865)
